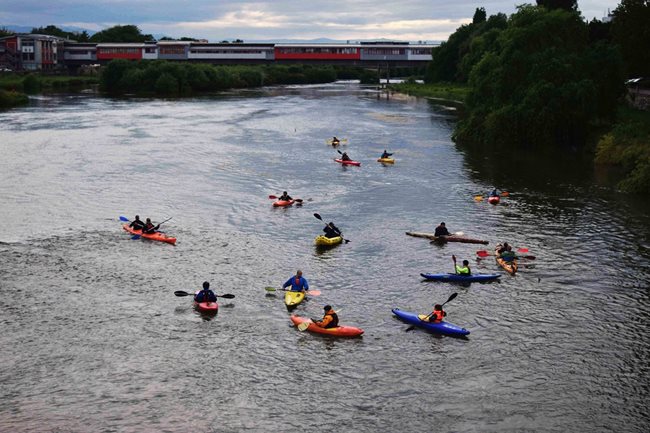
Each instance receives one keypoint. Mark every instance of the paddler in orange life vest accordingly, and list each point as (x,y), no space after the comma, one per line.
(149,227)
(330,319)
(437,315)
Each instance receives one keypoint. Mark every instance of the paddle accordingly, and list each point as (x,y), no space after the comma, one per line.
(136,237)
(182,293)
(308,292)
(304,325)
(452,297)
(340,234)
(483,254)
(274,197)
(453,257)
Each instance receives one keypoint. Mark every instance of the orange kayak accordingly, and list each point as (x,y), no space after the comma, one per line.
(160,237)
(283,203)
(339,331)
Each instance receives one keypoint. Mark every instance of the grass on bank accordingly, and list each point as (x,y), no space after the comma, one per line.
(627,146)
(33,83)
(448,91)
(10,99)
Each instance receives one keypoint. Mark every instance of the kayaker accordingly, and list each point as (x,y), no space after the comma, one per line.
(331,231)
(385,155)
(437,315)
(329,320)
(149,227)
(462,270)
(335,141)
(298,283)
(494,193)
(285,197)
(506,253)
(441,230)
(137,223)
(345,157)
(205,295)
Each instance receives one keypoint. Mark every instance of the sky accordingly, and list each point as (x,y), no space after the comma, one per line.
(216,20)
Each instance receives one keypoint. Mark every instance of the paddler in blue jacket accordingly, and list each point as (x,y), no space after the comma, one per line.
(297,283)
(205,295)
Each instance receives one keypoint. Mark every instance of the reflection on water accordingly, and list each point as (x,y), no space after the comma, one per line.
(93,337)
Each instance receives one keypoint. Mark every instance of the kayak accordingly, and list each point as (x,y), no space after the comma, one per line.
(324,241)
(386,160)
(443,327)
(444,239)
(494,199)
(292,299)
(333,143)
(510,266)
(283,203)
(206,307)
(461,278)
(157,236)
(339,331)
(340,161)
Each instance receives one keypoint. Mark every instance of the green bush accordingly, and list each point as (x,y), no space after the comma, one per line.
(167,85)
(12,99)
(31,84)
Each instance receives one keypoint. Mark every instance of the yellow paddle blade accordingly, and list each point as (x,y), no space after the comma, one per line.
(478,197)
(303,326)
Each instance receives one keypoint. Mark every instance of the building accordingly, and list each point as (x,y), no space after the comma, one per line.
(31,52)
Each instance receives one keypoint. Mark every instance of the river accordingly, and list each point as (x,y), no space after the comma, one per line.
(93,338)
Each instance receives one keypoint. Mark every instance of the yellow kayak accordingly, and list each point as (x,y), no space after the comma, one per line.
(292,299)
(386,160)
(325,241)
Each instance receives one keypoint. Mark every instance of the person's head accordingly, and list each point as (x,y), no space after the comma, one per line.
(327,308)
(465,263)
(148,220)
(330,223)
(442,224)
(206,285)
(505,245)
(437,307)
(137,217)
(284,193)
(298,273)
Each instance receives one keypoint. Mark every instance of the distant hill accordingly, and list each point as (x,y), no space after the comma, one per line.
(28,29)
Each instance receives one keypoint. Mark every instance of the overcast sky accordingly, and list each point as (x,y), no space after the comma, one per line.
(216,20)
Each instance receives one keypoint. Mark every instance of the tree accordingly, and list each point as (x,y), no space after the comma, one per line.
(631,31)
(541,85)
(479,16)
(128,33)
(5,32)
(567,5)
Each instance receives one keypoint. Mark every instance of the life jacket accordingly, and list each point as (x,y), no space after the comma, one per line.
(137,225)
(331,320)
(437,316)
(463,270)
(205,296)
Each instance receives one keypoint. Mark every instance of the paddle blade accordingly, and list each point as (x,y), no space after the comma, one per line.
(478,197)
(529,257)
(270,289)
(318,216)
(451,298)
(410,328)
(482,253)
(273,197)
(226,296)
(339,151)
(505,193)
(522,250)
(459,234)
(136,237)
(297,200)
(123,218)
(314,292)
(303,326)
(347,241)
(181,293)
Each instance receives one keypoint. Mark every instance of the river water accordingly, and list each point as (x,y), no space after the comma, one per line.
(93,338)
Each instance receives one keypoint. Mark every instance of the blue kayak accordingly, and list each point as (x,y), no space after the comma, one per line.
(437,328)
(461,278)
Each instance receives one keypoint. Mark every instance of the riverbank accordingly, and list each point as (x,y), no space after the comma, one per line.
(627,146)
(14,88)
(447,91)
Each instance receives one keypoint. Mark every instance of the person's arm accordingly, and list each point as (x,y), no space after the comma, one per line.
(326,320)
(287,284)
(305,284)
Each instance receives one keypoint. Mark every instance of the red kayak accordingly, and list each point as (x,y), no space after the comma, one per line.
(157,236)
(340,161)
(206,307)
(283,203)
(339,331)
(494,199)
